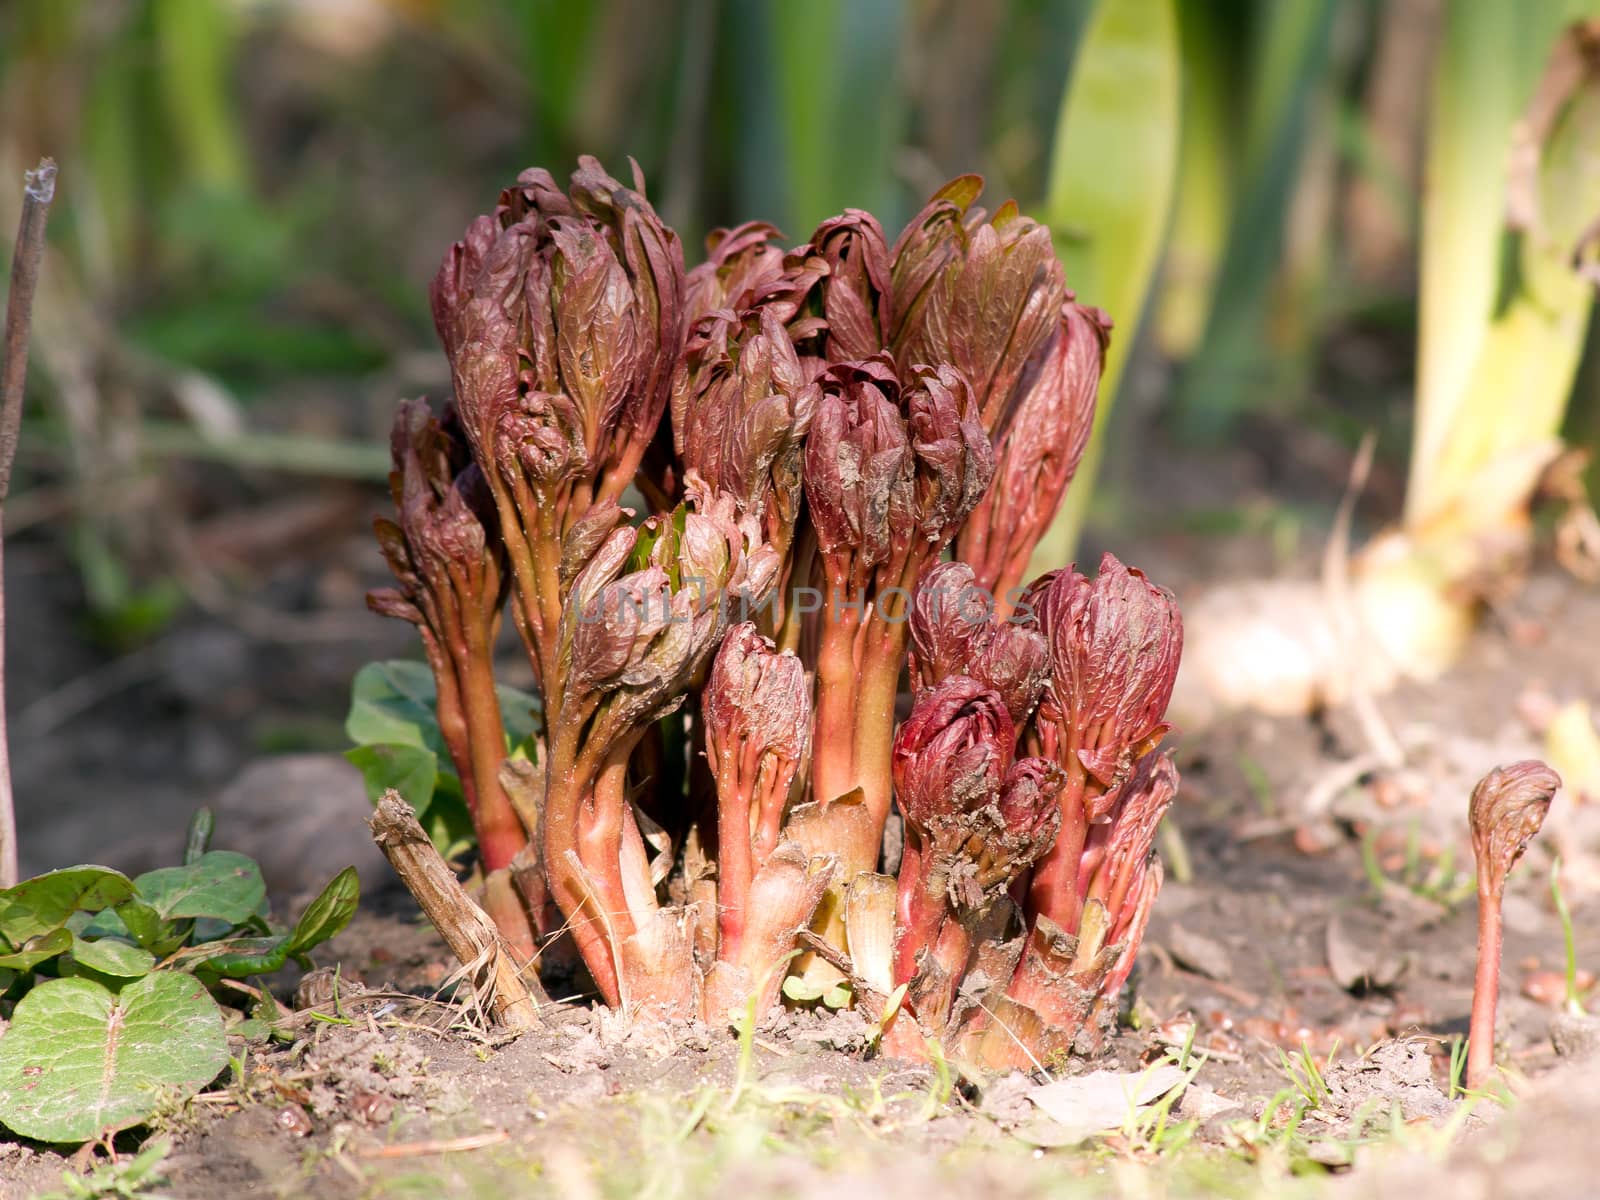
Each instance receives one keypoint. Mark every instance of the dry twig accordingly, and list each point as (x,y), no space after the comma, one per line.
(39,189)
(499,986)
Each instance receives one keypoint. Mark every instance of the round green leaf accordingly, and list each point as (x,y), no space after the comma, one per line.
(44,903)
(34,951)
(392,703)
(220,884)
(410,770)
(110,956)
(78,1061)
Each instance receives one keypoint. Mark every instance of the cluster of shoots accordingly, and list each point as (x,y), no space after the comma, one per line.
(761,527)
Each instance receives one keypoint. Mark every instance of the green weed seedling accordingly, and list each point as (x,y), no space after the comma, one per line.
(1442,881)
(1574,1001)
(118,1178)
(107,981)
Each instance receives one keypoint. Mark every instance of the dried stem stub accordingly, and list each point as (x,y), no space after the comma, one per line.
(39,190)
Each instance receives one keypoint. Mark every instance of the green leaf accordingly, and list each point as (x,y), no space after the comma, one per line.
(198,840)
(140,921)
(220,884)
(1111,181)
(392,704)
(410,770)
(523,715)
(392,719)
(43,903)
(796,988)
(1288,121)
(328,913)
(78,1061)
(235,958)
(35,950)
(111,956)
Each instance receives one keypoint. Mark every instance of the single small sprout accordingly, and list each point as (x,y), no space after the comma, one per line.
(1508,807)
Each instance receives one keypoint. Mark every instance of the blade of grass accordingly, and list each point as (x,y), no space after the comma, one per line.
(1290,75)
(1110,195)
(1207,171)
(196,40)
(268,451)
(1483,465)
(840,108)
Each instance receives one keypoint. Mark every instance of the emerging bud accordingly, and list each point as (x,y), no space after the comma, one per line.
(952,754)
(1040,450)
(745,269)
(757,712)
(1028,808)
(562,317)
(980,295)
(1114,650)
(858,464)
(1508,807)
(442,550)
(950,620)
(954,461)
(953,632)
(757,695)
(741,408)
(856,292)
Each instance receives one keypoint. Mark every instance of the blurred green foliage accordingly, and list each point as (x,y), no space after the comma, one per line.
(259,189)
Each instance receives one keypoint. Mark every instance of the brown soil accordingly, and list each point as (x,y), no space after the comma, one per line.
(1257,952)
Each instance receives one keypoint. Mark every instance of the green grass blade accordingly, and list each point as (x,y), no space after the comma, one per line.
(1476,98)
(1205,187)
(1290,76)
(1110,194)
(196,41)
(840,107)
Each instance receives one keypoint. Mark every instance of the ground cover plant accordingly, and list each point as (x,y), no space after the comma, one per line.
(116,991)
(703,802)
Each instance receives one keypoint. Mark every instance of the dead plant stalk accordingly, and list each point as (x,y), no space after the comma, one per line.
(39,189)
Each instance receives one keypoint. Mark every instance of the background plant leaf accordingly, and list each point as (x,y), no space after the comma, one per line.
(235,958)
(78,1061)
(393,722)
(413,771)
(1121,106)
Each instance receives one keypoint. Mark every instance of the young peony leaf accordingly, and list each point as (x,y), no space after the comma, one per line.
(223,885)
(78,1061)
(39,905)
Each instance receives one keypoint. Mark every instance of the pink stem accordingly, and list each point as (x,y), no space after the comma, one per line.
(1485,991)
